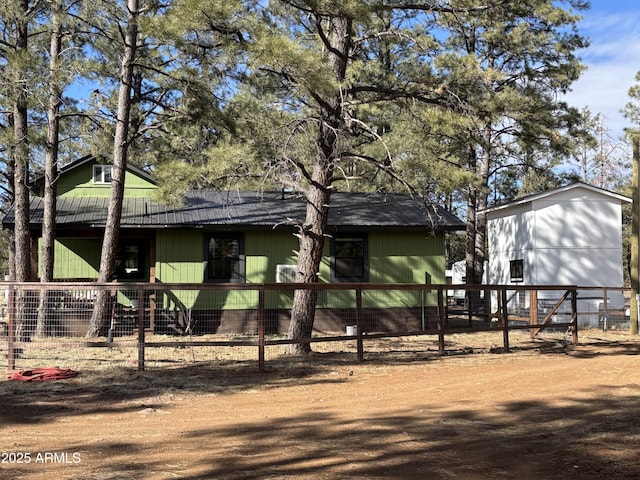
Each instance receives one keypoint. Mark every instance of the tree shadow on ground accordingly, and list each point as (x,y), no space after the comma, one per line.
(126,389)
(592,435)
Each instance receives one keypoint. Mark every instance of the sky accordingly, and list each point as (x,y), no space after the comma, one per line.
(612,60)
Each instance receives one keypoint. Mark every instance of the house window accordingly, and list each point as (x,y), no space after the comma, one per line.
(225,258)
(132,260)
(349,262)
(102,174)
(516,270)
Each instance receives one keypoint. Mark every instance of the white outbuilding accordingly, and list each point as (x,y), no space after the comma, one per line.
(571,235)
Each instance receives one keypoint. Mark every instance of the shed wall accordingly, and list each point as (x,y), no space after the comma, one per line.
(573,237)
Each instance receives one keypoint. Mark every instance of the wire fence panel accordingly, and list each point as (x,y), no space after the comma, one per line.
(150,325)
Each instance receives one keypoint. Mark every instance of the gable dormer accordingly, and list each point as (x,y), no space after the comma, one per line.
(91,177)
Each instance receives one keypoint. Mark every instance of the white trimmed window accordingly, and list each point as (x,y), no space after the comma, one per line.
(516,270)
(101,174)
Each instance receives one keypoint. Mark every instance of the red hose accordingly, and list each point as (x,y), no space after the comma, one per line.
(43,374)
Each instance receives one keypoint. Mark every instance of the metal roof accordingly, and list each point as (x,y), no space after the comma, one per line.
(245,209)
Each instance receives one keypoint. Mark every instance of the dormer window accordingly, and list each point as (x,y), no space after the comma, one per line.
(102,174)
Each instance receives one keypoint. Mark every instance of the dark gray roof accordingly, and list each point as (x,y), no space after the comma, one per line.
(208,208)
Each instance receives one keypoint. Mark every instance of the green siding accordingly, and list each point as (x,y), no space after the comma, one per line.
(404,258)
(181,256)
(394,257)
(78,182)
(76,258)
(264,251)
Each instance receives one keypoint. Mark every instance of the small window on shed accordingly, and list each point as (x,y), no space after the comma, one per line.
(516,270)
(101,174)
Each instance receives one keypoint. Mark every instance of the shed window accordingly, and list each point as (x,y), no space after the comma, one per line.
(516,270)
(349,261)
(102,174)
(225,258)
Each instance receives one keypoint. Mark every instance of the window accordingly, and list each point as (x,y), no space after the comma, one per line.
(132,260)
(102,174)
(225,258)
(349,259)
(516,270)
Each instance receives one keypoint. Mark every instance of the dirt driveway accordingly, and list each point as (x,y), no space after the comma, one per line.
(549,412)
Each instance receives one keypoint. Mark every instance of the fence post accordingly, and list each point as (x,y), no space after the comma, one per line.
(261,333)
(605,313)
(505,320)
(141,329)
(441,321)
(359,343)
(11,354)
(533,307)
(574,315)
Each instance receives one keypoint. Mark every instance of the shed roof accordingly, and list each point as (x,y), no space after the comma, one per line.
(550,193)
(250,209)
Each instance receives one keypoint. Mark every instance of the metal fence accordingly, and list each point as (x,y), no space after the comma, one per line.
(153,325)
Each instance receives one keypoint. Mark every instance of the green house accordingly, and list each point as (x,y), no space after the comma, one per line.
(245,237)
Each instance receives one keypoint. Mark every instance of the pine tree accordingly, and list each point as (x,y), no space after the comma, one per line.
(632,113)
(506,65)
(120,152)
(18,18)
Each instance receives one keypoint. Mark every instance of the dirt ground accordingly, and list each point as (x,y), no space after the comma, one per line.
(543,411)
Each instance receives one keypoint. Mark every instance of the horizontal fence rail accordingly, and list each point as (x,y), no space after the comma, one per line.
(136,324)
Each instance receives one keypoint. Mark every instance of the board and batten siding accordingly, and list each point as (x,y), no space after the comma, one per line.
(394,257)
(76,258)
(181,257)
(404,257)
(79,183)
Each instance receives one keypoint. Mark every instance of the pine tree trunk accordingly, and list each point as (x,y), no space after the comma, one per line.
(477,220)
(311,236)
(120,150)
(51,172)
(22,236)
(318,193)
(635,235)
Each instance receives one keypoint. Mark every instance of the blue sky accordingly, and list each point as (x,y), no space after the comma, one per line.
(613,58)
